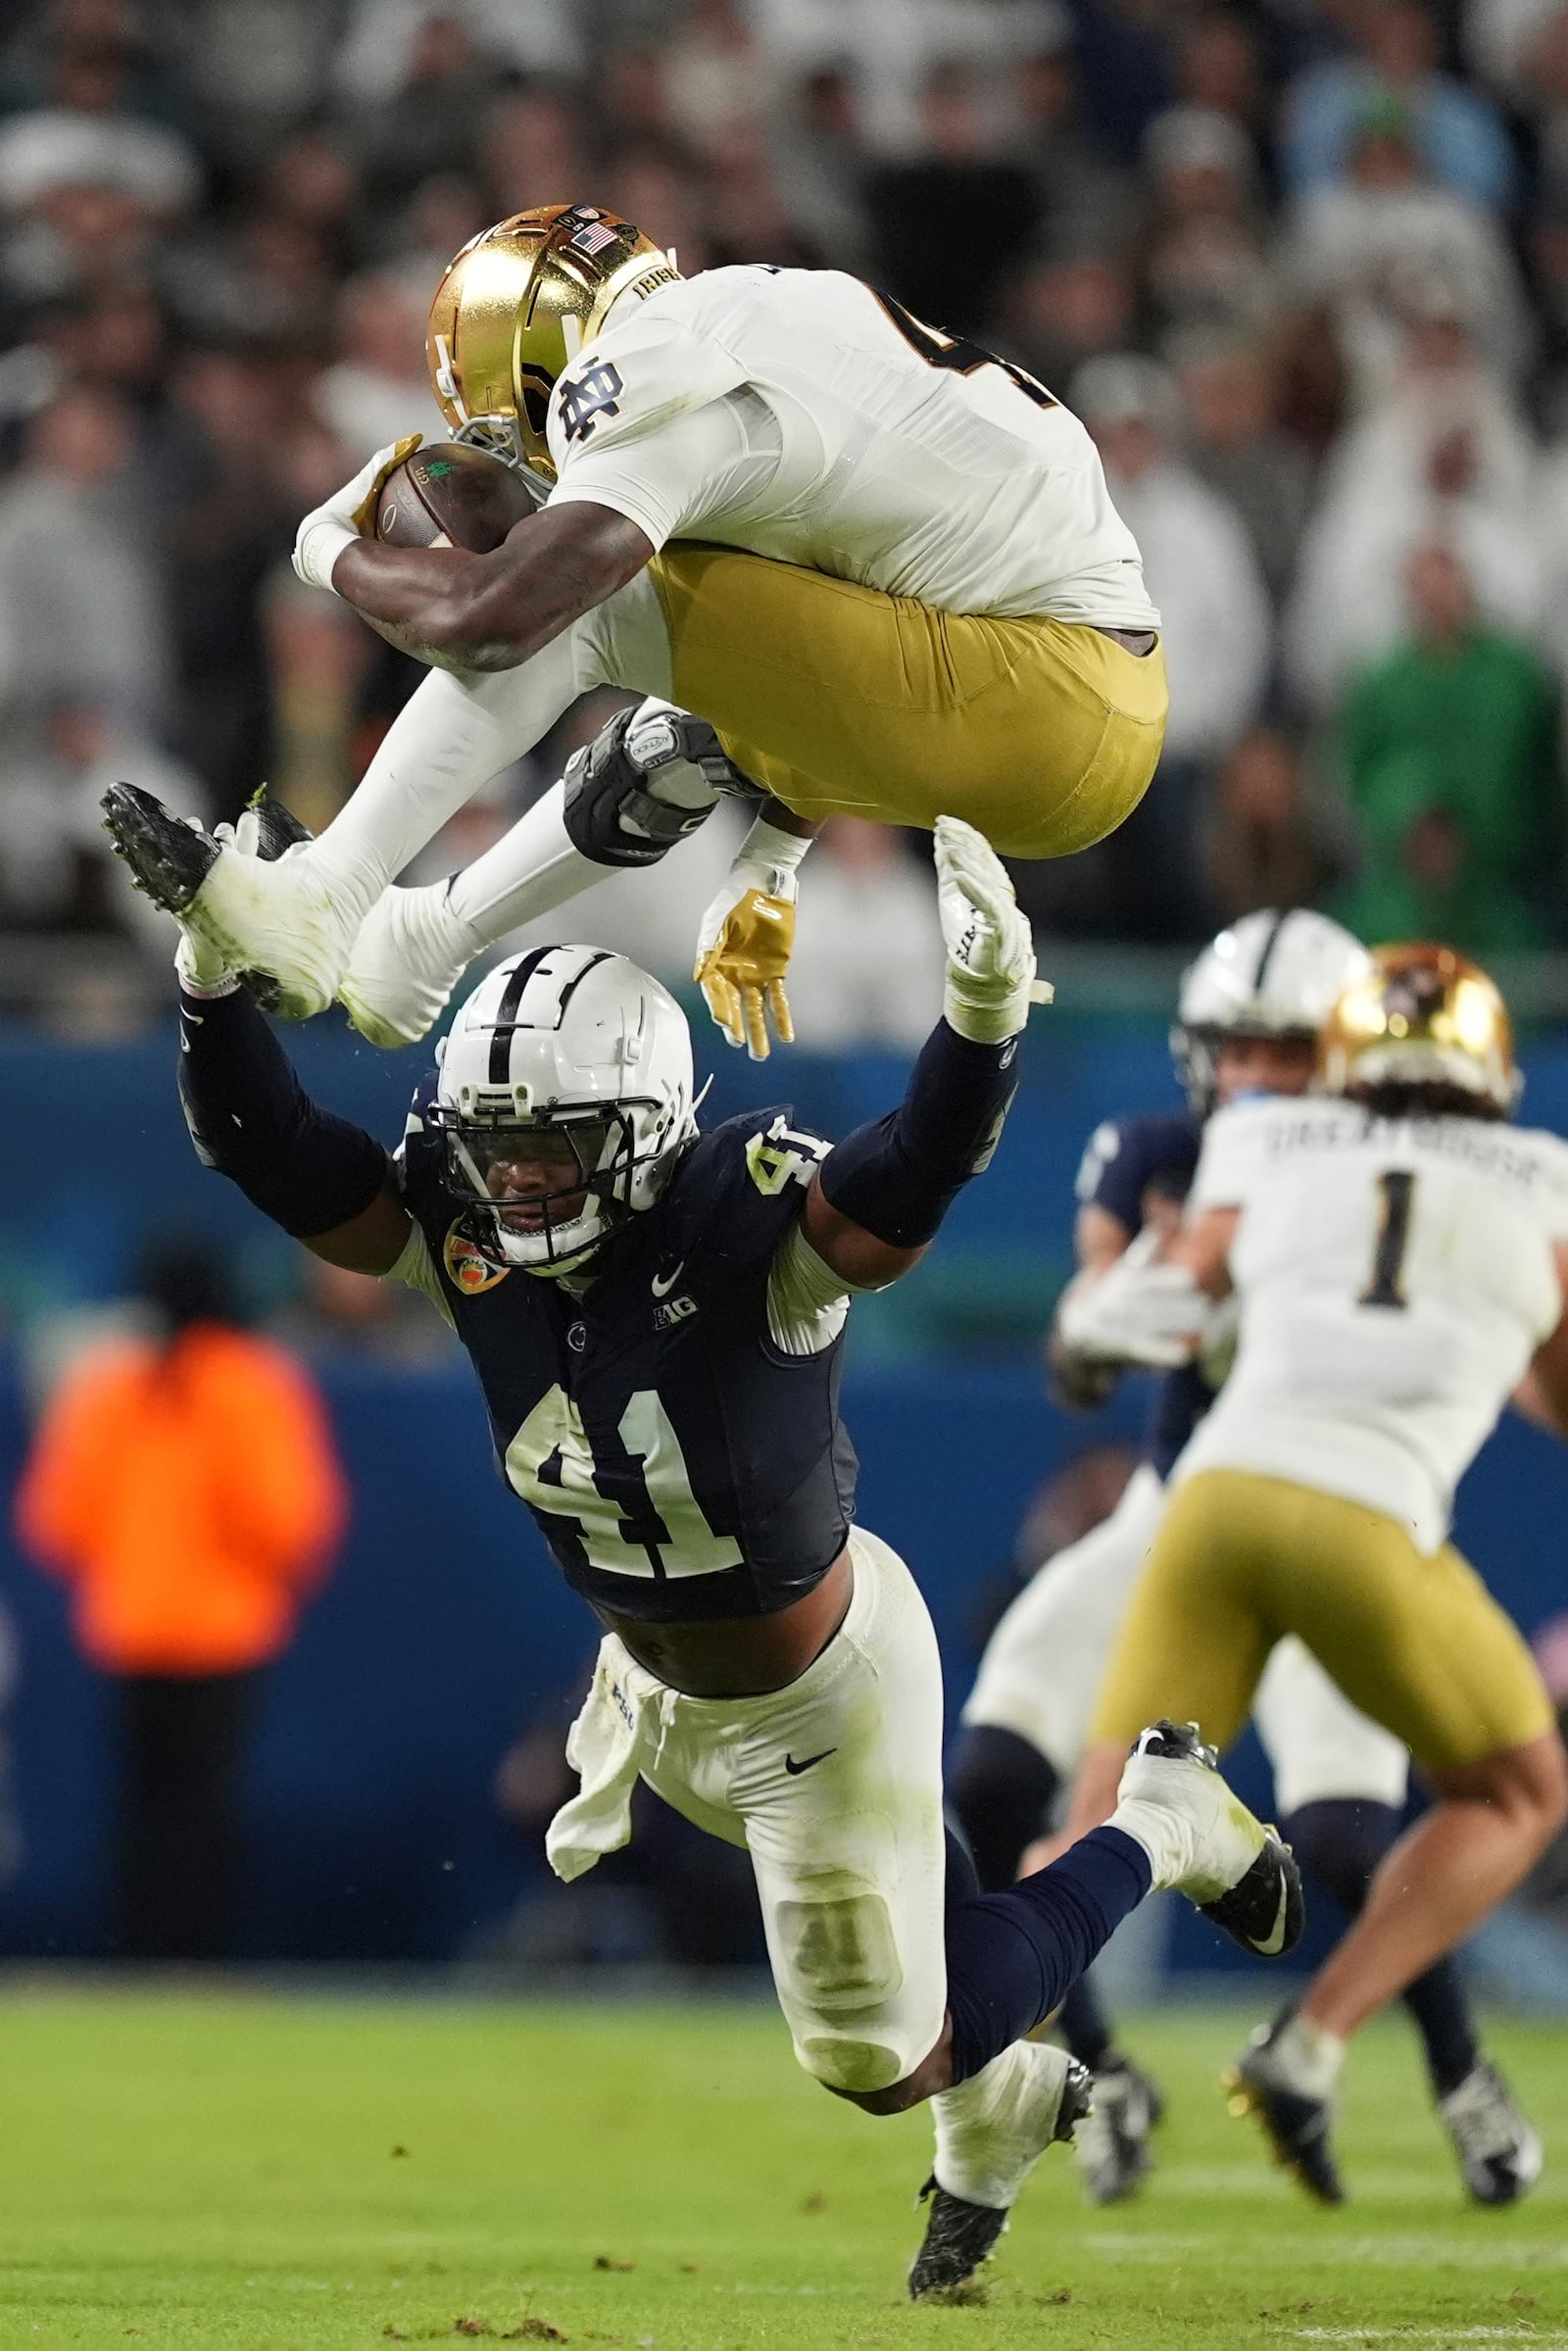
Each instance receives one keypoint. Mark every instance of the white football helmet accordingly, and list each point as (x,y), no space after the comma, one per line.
(576,1045)
(1269,975)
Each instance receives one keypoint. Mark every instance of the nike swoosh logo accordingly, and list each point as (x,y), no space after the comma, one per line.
(662,1290)
(1274,1944)
(795,1769)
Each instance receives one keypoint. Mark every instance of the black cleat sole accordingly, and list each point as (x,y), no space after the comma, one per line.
(168,860)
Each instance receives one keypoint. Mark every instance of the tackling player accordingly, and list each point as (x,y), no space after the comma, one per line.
(883,564)
(656,1320)
(1248,1020)
(1398,1257)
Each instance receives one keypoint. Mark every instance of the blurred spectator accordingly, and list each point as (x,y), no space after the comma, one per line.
(1059,312)
(1451,761)
(867,944)
(387,40)
(187,1490)
(1261,844)
(1214,620)
(379,388)
(1238,450)
(531,152)
(80,607)
(820,161)
(718,76)
(948,224)
(1082,194)
(229,523)
(1197,558)
(1455,129)
(1206,264)
(56,868)
(1352,239)
(1442,457)
(426,127)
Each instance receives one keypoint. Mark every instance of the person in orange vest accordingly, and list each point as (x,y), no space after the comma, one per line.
(186,1487)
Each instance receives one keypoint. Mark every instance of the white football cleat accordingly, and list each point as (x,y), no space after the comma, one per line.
(991,2133)
(409,956)
(1201,1840)
(275,922)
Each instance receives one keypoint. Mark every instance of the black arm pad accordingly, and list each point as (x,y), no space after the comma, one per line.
(250,1117)
(899,1176)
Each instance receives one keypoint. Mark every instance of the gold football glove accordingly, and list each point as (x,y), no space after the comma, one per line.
(741,965)
(363,517)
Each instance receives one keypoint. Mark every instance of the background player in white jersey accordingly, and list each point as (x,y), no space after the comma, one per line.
(1400,1258)
(881,562)
(657,1320)
(1248,1022)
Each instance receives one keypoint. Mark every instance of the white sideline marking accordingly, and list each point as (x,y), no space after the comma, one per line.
(1429,2334)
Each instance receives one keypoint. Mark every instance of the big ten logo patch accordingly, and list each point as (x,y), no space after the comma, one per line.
(467,1270)
(593,393)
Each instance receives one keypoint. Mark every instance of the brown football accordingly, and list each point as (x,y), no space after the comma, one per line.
(451,496)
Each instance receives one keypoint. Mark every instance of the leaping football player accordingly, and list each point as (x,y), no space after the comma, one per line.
(1248,1022)
(656,1320)
(1398,1254)
(881,562)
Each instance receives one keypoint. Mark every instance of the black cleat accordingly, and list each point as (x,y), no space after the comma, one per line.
(959,2236)
(277,828)
(1297,2124)
(169,857)
(1112,2147)
(1499,2153)
(1262,1908)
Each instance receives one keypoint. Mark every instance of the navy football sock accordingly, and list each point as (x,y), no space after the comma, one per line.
(1340,1841)
(1014,1956)
(1002,1789)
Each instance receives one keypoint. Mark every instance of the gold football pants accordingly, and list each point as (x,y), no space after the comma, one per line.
(840,700)
(1417,1643)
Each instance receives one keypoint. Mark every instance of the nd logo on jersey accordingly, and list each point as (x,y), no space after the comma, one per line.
(467,1270)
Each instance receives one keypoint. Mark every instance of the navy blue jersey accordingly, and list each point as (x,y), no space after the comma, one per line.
(680,1466)
(1128,1159)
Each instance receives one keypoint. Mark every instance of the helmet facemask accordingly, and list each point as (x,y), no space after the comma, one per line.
(543,1226)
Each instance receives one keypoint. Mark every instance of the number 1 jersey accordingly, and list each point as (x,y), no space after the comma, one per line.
(798,414)
(1394,1278)
(682,1463)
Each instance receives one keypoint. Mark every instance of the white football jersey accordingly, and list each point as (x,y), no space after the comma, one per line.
(798,414)
(1394,1278)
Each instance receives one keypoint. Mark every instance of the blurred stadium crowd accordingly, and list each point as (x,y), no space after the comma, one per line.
(1302,267)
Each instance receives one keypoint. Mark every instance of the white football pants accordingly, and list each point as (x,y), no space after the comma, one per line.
(1043,1664)
(834,1787)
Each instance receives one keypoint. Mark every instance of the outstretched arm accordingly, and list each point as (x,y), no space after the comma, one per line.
(1542,1393)
(879,1198)
(324,1181)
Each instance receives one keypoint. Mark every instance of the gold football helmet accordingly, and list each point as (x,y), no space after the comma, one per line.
(1421,1016)
(517,306)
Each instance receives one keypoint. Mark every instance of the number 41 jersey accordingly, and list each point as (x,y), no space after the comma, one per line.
(1394,1278)
(680,1463)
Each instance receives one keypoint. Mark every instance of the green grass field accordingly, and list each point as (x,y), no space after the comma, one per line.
(183,2168)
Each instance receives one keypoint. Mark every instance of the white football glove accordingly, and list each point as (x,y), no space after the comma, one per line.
(744,943)
(349,516)
(1135,1311)
(991,950)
